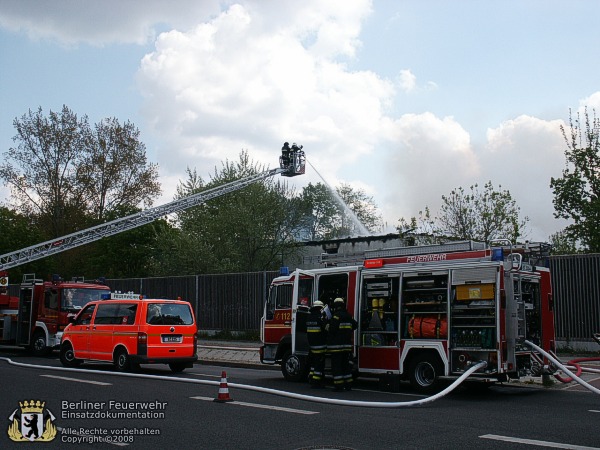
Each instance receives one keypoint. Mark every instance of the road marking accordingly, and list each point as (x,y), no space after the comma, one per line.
(213,347)
(594,410)
(574,385)
(536,442)
(258,405)
(99,383)
(203,375)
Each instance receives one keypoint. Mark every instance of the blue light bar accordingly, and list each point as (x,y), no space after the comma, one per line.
(284,271)
(498,254)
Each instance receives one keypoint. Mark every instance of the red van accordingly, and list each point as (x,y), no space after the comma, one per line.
(130,332)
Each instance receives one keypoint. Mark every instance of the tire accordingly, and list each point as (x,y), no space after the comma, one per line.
(67,356)
(293,367)
(122,361)
(177,367)
(425,372)
(39,346)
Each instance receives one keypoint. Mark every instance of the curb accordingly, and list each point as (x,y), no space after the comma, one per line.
(247,365)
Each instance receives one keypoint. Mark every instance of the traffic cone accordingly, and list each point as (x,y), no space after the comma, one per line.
(223,390)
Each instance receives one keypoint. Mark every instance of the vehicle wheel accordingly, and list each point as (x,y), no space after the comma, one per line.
(293,367)
(67,356)
(177,367)
(122,361)
(39,346)
(424,373)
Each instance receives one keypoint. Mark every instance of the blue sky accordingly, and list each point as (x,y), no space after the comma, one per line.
(406,100)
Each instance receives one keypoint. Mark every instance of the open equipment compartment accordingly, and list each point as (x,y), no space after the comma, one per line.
(425,305)
(473,313)
(379,314)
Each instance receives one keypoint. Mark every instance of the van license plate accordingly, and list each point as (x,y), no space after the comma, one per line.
(171,338)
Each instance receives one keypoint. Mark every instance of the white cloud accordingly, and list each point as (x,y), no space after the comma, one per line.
(232,84)
(592,102)
(251,74)
(432,156)
(72,22)
(329,28)
(522,155)
(429,157)
(407,81)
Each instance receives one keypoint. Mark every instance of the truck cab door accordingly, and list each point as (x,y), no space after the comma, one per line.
(26,318)
(302,299)
(81,332)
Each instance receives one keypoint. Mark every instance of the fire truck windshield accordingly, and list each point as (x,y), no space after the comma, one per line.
(73,299)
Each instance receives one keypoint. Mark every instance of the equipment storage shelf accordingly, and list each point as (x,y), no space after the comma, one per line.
(473,317)
(425,305)
(379,338)
(474,337)
(379,316)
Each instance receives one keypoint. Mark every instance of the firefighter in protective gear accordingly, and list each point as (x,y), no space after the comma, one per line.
(285,155)
(315,328)
(340,328)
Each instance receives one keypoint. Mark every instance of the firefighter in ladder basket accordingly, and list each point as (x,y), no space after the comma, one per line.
(315,328)
(339,343)
(292,160)
(285,155)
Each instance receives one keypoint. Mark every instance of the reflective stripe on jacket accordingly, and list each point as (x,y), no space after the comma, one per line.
(315,330)
(341,326)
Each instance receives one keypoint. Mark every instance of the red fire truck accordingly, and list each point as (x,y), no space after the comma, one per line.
(425,313)
(37,317)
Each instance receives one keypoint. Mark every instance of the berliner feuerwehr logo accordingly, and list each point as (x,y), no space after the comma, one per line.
(31,422)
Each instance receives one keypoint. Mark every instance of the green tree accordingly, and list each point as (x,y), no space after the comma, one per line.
(482,215)
(577,192)
(419,231)
(41,170)
(19,232)
(65,177)
(63,174)
(115,173)
(361,215)
(563,244)
(345,212)
(479,215)
(322,210)
(246,230)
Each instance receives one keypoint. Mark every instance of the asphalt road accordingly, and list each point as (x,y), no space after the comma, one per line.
(183,414)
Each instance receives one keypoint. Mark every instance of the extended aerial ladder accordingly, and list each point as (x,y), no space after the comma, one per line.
(292,167)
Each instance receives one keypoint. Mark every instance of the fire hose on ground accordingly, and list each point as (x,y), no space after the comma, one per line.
(575,364)
(332,401)
(564,368)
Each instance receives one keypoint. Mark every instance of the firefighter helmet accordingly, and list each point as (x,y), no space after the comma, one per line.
(338,301)
(318,303)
